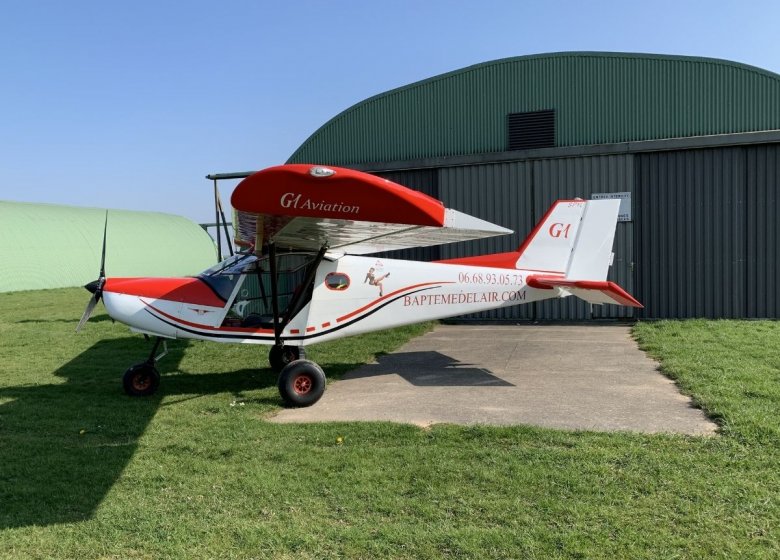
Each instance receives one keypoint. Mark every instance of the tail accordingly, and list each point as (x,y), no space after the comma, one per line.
(570,250)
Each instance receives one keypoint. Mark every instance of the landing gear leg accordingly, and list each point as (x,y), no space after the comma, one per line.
(280,356)
(142,380)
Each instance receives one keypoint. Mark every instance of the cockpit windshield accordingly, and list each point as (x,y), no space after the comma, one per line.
(253,305)
(223,276)
(231,265)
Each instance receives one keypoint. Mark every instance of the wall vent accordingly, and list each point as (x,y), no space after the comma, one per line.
(535,129)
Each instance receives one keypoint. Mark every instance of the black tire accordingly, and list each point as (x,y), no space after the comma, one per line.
(280,356)
(141,380)
(301,383)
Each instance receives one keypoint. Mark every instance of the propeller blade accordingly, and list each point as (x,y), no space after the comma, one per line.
(96,286)
(88,311)
(103,255)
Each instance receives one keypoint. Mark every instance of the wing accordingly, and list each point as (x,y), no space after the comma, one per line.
(306,207)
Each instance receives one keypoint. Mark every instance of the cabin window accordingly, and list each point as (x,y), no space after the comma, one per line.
(337,281)
(253,305)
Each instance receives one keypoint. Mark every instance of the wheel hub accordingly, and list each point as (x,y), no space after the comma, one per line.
(141,381)
(302,384)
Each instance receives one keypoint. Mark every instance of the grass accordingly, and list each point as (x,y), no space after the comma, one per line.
(731,368)
(198,472)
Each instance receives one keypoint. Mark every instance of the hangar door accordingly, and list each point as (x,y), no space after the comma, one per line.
(709,235)
(516,195)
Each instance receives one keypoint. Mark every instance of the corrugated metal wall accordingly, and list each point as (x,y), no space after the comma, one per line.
(692,233)
(498,193)
(763,231)
(709,239)
(704,240)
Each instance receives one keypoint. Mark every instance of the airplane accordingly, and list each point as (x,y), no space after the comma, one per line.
(308,272)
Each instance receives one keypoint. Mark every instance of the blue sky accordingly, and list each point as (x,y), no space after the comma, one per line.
(129,105)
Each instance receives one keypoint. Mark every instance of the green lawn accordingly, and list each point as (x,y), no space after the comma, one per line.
(198,472)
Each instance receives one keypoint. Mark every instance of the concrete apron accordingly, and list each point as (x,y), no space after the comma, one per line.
(582,377)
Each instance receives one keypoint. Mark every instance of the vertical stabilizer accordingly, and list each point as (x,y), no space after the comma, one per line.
(585,242)
(548,248)
(592,253)
(574,239)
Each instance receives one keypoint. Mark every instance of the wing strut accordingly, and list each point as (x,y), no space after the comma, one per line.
(298,301)
(274,293)
(302,296)
(219,212)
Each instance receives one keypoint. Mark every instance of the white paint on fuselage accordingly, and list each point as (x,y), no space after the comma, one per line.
(412,292)
(395,293)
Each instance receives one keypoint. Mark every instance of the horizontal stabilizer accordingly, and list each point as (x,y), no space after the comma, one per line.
(592,291)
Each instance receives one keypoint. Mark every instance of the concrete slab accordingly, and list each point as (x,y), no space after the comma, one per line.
(585,377)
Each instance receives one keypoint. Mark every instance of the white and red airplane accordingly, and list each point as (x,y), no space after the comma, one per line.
(303,277)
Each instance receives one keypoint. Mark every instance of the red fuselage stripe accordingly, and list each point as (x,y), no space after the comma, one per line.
(292,331)
(205,327)
(391,294)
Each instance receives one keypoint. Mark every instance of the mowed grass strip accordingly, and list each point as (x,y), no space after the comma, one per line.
(198,472)
(730,368)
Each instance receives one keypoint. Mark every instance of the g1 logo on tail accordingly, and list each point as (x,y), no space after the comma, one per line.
(560,230)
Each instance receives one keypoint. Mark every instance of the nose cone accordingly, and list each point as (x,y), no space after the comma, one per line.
(134,312)
(92,287)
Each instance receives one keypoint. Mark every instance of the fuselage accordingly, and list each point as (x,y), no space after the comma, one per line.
(349,295)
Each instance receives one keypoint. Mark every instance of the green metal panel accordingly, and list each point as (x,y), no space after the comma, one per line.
(599,98)
(49,246)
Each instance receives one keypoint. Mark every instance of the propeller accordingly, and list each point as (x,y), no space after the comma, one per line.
(96,286)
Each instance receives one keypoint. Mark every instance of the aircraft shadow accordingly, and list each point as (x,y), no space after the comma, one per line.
(94,319)
(63,446)
(430,369)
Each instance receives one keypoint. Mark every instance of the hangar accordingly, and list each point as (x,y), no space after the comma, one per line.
(691,144)
(54,246)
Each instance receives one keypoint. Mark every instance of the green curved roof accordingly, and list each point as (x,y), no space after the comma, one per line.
(50,246)
(599,98)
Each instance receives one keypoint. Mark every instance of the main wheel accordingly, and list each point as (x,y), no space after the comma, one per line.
(301,383)
(280,356)
(141,380)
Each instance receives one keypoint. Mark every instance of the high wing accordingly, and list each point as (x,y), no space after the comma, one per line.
(307,207)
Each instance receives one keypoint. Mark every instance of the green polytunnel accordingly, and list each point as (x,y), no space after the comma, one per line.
(53,246)
(596,98)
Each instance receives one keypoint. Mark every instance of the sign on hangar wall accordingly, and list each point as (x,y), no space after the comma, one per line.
(624,213)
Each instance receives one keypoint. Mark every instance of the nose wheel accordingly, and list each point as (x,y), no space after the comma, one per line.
(142,380)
